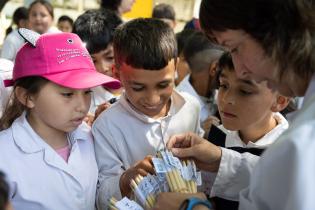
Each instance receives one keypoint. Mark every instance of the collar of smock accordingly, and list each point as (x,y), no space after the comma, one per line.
(30,142)
(234,140)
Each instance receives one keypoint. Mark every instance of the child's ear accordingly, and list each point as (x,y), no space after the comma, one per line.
(23,97)
(280,104)
(213,68)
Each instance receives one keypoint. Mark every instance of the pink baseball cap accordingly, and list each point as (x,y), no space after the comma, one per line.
(60,58)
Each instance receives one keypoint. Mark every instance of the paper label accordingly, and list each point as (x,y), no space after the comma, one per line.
(145,187)
(159,165)
(199,180)
(126,204)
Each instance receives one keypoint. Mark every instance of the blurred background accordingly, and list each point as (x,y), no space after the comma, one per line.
(184,10)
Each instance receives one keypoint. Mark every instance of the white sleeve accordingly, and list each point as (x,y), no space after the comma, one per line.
(109,165)
(284,176)
(8,50)
(233,174)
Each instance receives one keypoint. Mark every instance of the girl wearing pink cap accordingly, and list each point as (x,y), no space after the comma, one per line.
(46,149)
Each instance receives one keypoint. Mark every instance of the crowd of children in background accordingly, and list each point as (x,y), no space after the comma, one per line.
(92,102)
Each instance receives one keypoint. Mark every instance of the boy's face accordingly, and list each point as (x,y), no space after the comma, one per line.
(243,103)
(149,91)
(104,60)
(64,26)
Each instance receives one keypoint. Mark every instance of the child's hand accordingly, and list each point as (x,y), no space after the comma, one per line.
(142,167)
(101,108)
(206,125)
(89,119)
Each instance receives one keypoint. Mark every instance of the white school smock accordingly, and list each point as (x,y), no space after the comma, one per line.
(284,176)
(235,168)
(208,106)
(124,136)
(12,43)
(99,96)
(39,178)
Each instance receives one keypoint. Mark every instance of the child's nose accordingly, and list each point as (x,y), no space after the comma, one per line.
(153,98)
(82,104)
(229,98)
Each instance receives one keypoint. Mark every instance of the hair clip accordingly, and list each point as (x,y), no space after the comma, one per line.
(29,36)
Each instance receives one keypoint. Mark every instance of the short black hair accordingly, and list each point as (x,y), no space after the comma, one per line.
(111,4)
(96,28)
(200,52)
(225,62)
(4,192)
(165,11)
(182,37)
(65,18)
(145,43)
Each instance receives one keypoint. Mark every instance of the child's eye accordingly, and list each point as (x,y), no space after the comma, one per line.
(68,95)
(234,50)
(223,86)
(88,92)
(245,92)
(163,85)
(137,89)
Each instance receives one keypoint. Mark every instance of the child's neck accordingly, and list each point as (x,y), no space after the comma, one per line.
(256,132)
(53,137)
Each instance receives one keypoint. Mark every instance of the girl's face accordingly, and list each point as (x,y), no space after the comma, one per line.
(56,109)
(39,18)
(244,103)
(125,6)
(250,60)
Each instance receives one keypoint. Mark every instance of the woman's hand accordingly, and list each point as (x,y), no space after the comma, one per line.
(207,156)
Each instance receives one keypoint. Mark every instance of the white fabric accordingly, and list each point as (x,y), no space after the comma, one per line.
(38,176)
(6,67)
(124,136)
(235,168)
(100,95)
(284,176)
(12,43)
(206,108)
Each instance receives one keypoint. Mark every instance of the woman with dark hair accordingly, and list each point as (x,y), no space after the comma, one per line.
(273,41)
(119,6)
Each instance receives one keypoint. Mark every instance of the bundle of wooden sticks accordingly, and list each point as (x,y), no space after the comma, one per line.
(172,175)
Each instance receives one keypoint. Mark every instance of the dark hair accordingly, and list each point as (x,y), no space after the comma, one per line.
(20,13)
(145,43)
(65,18)
(4,192)
(111,4)
(14,107)
(225,63)
(200,52)
(165,11)
(46,4)
(284,28)
(182,37)
(96,28)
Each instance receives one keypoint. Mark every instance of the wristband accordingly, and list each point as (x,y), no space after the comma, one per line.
(190,203)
